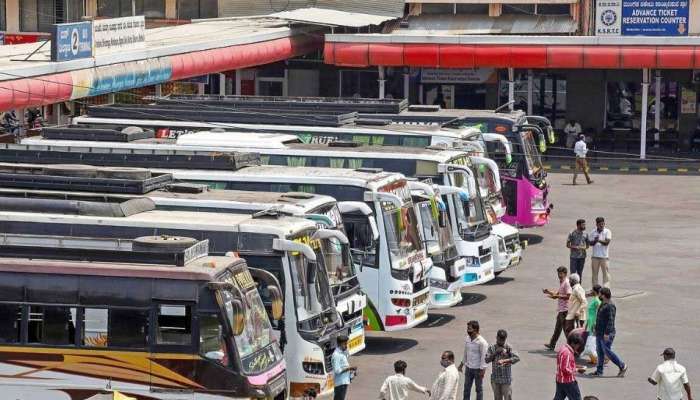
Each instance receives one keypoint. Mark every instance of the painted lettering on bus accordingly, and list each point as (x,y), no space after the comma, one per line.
(315,244)
(245,280)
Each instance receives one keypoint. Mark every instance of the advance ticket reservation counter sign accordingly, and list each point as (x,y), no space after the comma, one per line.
(71,41)
(641,18)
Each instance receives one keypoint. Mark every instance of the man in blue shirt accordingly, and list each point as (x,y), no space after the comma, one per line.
(341,368)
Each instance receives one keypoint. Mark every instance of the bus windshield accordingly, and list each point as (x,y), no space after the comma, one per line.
(252,344)
(471,213)
(402,234)
(312,294)
(531,154)
(438,238)
(336,258)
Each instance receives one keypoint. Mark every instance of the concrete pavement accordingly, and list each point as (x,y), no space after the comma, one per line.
(655,270)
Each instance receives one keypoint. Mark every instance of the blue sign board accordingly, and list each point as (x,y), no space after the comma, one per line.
(655,17)
(2,37)
(71,41)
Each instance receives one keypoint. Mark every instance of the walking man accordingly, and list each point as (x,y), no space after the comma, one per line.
(562,297)
(341,368)
(600,240)
(605,334)
(592,315)
(396,387)
(577,243)
(576,315)
(501,356)
(475,361)
(671,378)
(446,385)
(567,386)
(580,149)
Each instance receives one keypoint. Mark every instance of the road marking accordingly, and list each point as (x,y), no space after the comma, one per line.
(662,169)
(436,321)
(624,169)
(682,169)
(547,167)
(565,167)
(604,168)
(643,169)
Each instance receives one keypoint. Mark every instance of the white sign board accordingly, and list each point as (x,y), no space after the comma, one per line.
(118,34)
(478,75)
(608,17)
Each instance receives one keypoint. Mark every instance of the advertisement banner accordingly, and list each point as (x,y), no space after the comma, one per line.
(689,100)
(608,20)
(655,17)
(477,75)
(117,34)
(71,41)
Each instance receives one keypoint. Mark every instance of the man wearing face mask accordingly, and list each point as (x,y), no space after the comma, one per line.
(447,383)
(475,360)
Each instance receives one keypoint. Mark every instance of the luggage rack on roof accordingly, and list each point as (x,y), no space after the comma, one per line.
(172,159)
(101,134)
(159,250)
(292,103)
(82,178)
(240,115)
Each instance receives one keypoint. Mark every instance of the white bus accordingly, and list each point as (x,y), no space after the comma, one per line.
(81,316)
(283,246)
(349,299)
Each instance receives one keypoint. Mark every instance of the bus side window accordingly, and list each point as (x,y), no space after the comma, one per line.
(211,339)
(128,328)
(95,333)
(52,325)
(174,325)
(10,323)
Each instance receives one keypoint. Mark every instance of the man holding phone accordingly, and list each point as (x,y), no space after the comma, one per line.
(599,240)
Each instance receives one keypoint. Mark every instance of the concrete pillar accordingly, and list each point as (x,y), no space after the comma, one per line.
(645,105)
(657,100)
(91,8)
(340,83)
(222,84)
(12,15)
(406,86)
(511,88)
(200,89)
(110,98)
(159,90)
(382,82)
(171,9)
(530,78)
(237,89)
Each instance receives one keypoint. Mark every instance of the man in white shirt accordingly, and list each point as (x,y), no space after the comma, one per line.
(671,378)
(396,387)
(580,149)
(572,131)
(475,360)
(447,383)
(600,239)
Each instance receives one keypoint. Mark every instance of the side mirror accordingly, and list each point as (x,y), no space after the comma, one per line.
(277,302)
(238,320)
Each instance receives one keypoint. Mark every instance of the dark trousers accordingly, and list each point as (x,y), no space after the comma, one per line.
(473,377)
(339,392)
(567,391)
(576,266)
(604,349)
(558,327)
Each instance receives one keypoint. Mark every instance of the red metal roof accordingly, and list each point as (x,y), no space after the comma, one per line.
(515,55)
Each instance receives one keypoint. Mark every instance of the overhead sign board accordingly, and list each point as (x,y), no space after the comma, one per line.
(71,41)
(447,76)
(118,34)
(641,18)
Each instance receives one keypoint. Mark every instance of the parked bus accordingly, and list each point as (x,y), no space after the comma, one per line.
(349,299)
(152,318)
(281,245)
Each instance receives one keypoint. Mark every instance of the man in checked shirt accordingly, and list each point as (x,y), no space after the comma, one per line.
(501,356)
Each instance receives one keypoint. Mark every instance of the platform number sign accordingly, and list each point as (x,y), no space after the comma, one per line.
(71,41)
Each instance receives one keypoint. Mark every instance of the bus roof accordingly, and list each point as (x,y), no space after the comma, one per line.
(280,226)
(371,180)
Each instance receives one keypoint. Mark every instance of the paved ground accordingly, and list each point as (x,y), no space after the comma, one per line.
(654,270)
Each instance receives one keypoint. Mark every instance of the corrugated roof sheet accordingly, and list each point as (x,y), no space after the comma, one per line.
(441,24)
(239,8)
(332,17)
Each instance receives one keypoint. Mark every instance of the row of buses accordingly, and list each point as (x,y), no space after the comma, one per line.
(343,229)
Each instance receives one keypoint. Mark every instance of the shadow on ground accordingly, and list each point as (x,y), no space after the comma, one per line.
(469,299)
(386,345)
(499,280)
(532,239)
(436,320)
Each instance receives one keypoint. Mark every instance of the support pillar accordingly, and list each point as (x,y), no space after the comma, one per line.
(406,85)
(511,88)
(111,98)
(382,82)
(222,85)
(645,105)
(159,90)
(200,89)
(657,100)
(238,82)
(530,78)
